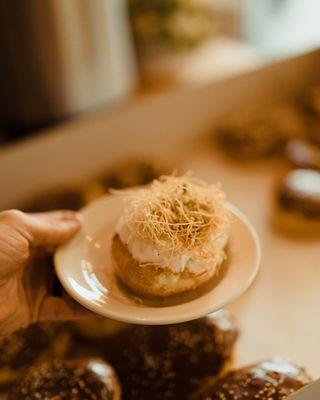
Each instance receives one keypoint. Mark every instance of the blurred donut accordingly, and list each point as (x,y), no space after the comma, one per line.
(314,133)
(92,336)
(76,379)
(303,154)
(97,329)
(62,198)
(131,173)
(297,205)
(168,362)
(275,379)
(30,346)
(124,175)
(253,134)
(311,100)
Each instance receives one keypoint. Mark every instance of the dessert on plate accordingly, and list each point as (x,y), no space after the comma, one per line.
(273,379)
(170,361)
(64,380)
(297,208)
(171,236)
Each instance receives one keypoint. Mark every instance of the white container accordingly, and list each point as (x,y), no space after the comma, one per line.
(60,58)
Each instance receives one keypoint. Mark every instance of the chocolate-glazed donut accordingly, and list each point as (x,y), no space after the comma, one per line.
(303,154)
(24,348)
(260,133)
(61,198)
(275,379)
(297,205)
(168,362)
(311,100)
(90,379)
(300,192)
(131,173)
(90,337)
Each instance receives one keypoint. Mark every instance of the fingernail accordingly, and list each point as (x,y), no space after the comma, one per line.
(72,221)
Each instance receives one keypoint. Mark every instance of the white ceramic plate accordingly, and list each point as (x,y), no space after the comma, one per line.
(84,268)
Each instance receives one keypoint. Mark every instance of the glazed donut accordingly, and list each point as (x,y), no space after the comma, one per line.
(90,379)
(91,336)
(123,175)
(168,362)
(275,379)
(61,198)
(297,206)
(254,134)
(303,154)
(30,346)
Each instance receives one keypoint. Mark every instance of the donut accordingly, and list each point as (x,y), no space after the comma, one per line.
(168,362)
(91,336)
(253,134)
(124,175)
(314,133)
(90,379)
(131,173)
(61,198)
(171,236)
(297,208)
(311,100)
(96,329)
(274,379)
(30,346)
(303,154)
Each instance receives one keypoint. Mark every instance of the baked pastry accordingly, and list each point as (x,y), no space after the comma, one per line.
(62,198)
(253,134)
(171,237)
(168,362)
(298,202)
(303,154)
(77,380)
(275,379)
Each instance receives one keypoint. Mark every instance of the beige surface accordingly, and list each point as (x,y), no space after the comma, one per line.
(280,314)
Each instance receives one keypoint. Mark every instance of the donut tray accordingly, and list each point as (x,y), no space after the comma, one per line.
(280,314)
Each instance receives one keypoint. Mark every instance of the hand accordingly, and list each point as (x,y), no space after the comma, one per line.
(24,278)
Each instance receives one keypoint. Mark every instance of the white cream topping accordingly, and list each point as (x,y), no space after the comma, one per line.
(144,253)
(305,182)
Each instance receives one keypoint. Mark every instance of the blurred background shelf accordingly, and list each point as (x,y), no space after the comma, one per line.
(60,59)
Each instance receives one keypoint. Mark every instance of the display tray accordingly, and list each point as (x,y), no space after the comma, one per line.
(280,313)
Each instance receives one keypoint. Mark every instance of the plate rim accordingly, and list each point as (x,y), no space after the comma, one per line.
(172,318)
